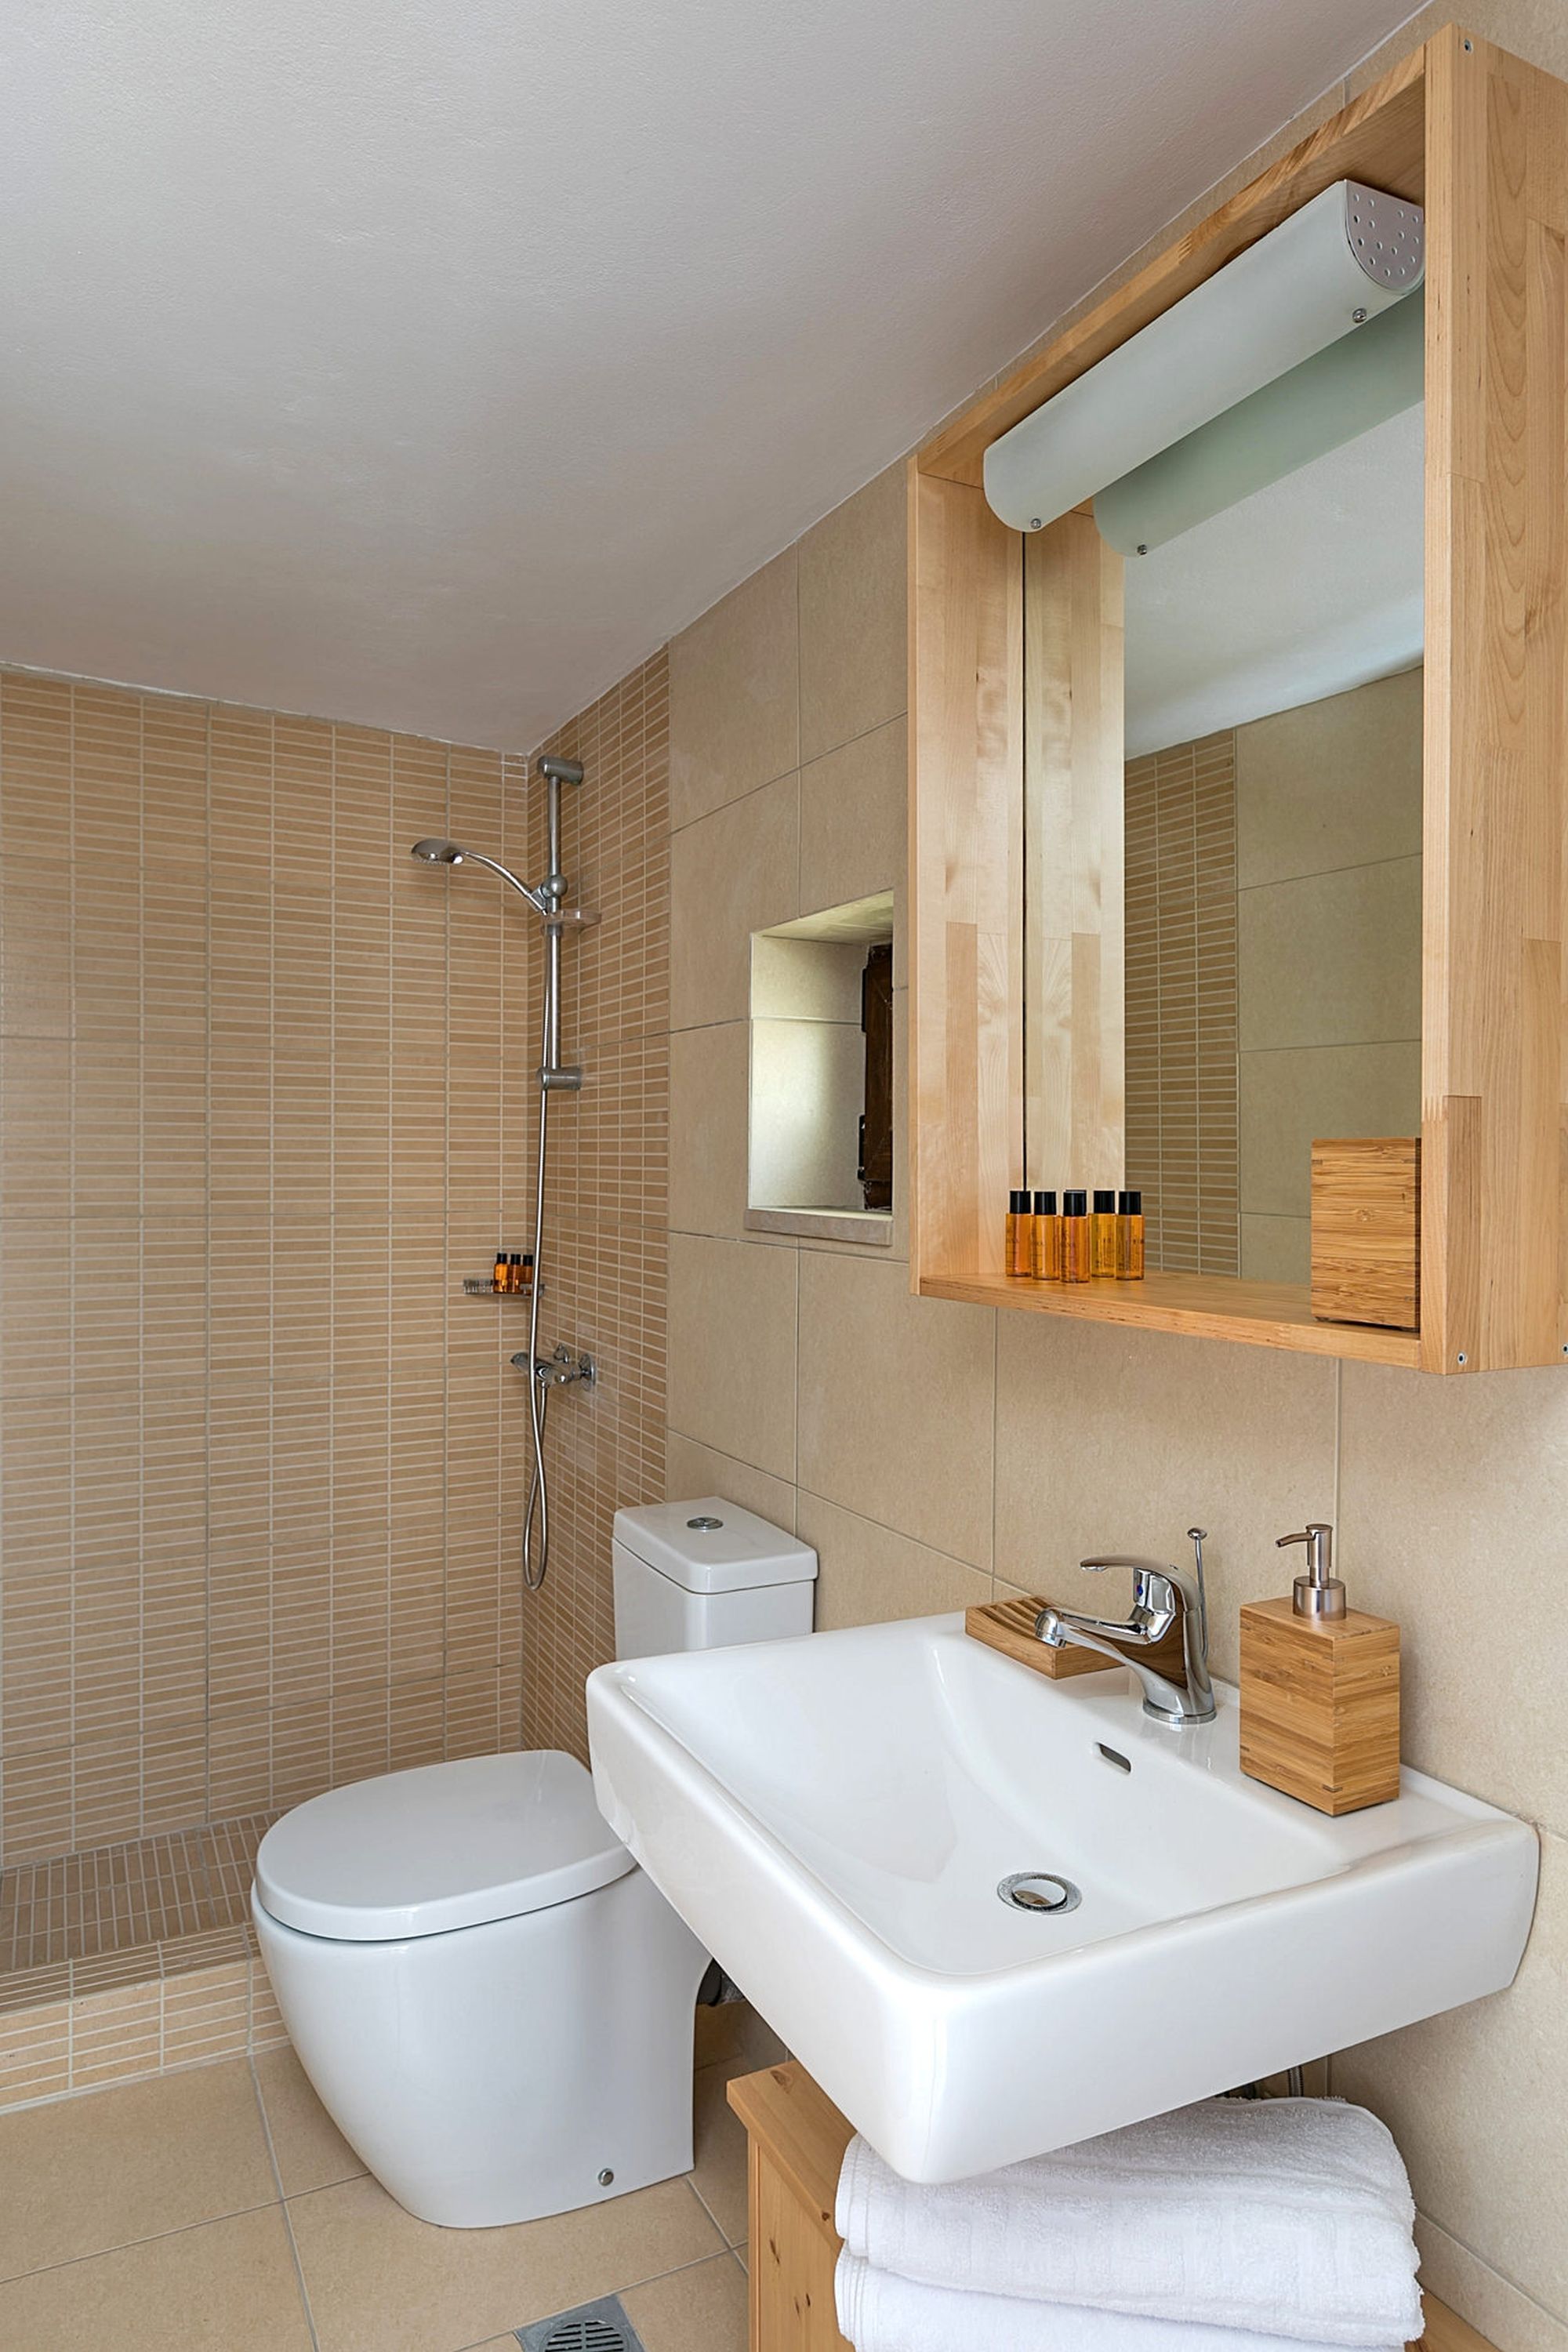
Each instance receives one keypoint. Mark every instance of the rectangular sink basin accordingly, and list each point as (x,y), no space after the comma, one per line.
(834,1817)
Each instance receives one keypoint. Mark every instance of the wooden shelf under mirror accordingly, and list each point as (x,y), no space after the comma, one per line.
(1480,139)
(1201,1306)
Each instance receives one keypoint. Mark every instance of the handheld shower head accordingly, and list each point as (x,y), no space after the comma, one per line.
(438,853)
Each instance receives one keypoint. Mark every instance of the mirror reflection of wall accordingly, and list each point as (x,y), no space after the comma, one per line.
(1273,850)
(1266,662)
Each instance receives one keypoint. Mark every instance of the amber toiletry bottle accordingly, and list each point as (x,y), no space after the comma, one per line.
(1020,1257)
(1075,1236)
(499,1278)
(1048,1227)
(527,1283)
(514,1271)
(1129,1237)
(1102,1234)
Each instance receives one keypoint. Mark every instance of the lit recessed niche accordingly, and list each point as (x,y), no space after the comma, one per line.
(820,1152)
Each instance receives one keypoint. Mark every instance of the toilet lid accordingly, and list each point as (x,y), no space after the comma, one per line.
(448,1845)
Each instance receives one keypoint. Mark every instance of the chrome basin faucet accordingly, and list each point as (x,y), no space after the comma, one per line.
(1163,1597)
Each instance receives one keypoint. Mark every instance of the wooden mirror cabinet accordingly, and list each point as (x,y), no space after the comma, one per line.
(1480,139)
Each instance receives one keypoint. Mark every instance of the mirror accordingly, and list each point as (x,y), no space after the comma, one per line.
(1222,926)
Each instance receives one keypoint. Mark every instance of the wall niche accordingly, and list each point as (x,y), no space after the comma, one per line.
(819,1156)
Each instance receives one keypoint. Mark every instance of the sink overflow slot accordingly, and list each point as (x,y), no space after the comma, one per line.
(1038,1890)
(1114,1755)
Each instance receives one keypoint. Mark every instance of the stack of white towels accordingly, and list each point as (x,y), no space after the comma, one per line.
(1221,2228)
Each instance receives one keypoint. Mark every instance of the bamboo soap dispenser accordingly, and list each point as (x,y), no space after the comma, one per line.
(1319,1691)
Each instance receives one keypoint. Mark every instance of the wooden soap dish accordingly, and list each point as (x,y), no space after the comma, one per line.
(1009,1626)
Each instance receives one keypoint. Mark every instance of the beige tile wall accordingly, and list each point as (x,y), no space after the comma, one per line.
(1328,801)
(1181,1004)
(258,1123)
(1273,969)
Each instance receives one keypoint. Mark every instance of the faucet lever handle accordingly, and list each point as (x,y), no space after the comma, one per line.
(1125,1559)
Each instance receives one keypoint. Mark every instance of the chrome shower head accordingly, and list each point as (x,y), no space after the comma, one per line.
(438,853)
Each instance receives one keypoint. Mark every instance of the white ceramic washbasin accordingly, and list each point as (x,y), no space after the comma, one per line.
(832,1817)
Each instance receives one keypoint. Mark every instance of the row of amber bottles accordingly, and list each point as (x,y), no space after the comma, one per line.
(1075,1244)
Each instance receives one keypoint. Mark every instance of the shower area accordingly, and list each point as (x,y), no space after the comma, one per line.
(270,1091)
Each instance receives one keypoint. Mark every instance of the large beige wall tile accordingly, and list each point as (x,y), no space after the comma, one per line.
(1332,959)
(1503,2313)
(896,1403)
(1286,1098)
(708,1128)
(868,1574)
(1119,1441)
(1334,784)
(1276,1249)
(690,1469)
(1453,1496)
(1474,2099)
(853,823)
(732,1348)
(854,651)
(733,873)
(734,681)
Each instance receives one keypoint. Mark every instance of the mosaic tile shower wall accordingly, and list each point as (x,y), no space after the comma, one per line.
(607,1191)
(254,1133)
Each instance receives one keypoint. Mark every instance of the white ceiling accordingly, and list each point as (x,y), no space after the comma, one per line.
(1306,589)
(430,361)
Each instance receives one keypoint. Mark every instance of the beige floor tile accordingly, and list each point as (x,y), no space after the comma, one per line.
(699,2310)
(85,2174)
(229,2284)
(380,2281)
(311,2152)
(719,2174)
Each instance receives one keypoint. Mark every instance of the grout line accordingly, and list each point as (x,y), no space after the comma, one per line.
(153,2237)
(283,2202)
(691,2184)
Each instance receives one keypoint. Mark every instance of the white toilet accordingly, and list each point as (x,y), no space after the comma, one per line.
(493,2002)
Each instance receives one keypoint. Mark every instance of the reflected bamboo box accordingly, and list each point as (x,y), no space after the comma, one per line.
(1366,1230)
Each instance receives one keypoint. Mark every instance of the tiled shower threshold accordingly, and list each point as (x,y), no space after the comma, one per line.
(129,1960)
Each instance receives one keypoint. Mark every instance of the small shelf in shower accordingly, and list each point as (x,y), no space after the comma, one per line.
(478,1285)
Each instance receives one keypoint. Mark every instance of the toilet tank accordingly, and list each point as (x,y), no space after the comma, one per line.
(703,1575)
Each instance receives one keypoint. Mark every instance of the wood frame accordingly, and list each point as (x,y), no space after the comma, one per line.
(1481,139)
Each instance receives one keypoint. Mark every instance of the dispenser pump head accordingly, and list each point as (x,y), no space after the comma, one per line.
(1319,1593)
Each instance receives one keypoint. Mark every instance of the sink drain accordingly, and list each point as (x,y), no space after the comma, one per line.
(1038,1890)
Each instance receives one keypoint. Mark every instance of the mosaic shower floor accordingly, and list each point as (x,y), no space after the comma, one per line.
(114,1897)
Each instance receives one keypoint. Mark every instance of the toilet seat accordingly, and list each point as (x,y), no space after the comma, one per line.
(445,1845)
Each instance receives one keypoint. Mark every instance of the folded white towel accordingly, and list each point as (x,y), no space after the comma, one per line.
(880,2312)
(1287,2217)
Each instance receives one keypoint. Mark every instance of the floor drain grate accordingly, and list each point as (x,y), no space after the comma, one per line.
(601,2327)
